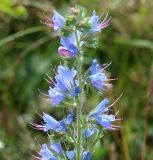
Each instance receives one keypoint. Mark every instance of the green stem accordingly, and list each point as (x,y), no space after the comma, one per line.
(80,101)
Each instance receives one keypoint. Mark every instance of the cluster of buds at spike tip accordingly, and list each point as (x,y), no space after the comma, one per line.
(76,19)
(67,88)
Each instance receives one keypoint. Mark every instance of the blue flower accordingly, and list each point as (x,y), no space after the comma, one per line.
(46,153)
(94,20)
(97,77)
(51,124)
(55,96)
(98,80)
(75,90)
(69,47)
(71,155)
(97,26)
(65,78)
(56,22)
(101,117)
(86,155)
(56,146)
(89,132)
(106,120)
(69,119)
(65,85)
(101,108)
(95,67)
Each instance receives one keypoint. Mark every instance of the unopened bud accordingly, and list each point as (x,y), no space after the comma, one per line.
(74,10)
(62,51)
(49,22)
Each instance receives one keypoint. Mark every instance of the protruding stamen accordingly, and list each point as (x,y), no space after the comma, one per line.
(115,101)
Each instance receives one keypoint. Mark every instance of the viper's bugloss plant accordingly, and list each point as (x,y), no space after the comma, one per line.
(75,136)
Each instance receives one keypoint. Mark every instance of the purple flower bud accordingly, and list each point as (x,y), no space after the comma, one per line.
(62,51)
(69,47)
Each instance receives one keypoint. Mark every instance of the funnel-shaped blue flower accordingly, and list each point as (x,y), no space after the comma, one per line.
(100,116)
(96,25)
(46,152)
(106,120)
(100,109)
(51,124)
(97,77)
(56,22)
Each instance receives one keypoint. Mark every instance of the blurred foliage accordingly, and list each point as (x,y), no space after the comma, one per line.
(27,50)
(10,8)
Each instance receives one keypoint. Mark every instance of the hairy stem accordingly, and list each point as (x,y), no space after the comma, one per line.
(80,100)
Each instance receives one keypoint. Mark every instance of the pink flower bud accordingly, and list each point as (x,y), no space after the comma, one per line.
(49,22)
(74,10)
(62,51)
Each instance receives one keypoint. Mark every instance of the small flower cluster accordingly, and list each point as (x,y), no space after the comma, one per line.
(66,86)
(71,137)
(54,151)
(86,28)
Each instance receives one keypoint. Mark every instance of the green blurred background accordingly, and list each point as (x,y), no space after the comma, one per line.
(27,50)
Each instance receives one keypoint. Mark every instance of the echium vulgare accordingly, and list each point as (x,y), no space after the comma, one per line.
(74,136)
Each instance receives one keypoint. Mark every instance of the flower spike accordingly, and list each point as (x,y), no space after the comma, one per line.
(74,137)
